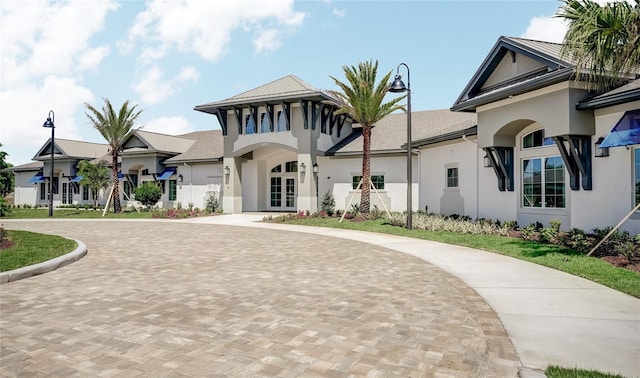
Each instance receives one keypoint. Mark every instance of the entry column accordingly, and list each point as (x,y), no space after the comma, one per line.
(232,198)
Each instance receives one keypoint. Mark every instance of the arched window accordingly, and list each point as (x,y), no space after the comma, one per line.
(282,122)
(265,123)
(250,127)
(536,139)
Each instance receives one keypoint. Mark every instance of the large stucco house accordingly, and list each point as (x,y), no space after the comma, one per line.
(520,143)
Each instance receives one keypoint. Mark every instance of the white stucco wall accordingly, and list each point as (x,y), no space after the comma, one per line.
(198,180)
(434,195)
(612,195)
(25,193)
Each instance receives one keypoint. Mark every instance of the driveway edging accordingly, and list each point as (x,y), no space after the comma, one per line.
(45,266)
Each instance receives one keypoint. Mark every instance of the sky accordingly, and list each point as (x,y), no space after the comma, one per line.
(167,56)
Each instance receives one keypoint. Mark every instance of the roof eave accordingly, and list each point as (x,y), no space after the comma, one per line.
(543,81)
(212,107)
(611,100)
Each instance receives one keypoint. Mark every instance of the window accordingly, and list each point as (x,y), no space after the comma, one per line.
(250,127)
(377,180)
(536,139)
(145,172)
(43,191)
(55,185)
(636,183)
(282,122)
(543,186)
(291,166)
(277,169)
(127,189)
(265,123)
(85,193)
(452,177)
(276,191)
(173,190)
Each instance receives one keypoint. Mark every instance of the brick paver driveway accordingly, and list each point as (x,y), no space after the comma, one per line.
(174,299)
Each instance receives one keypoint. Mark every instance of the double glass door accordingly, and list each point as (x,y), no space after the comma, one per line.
(283,193)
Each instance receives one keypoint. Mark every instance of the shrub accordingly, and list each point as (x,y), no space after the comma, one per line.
(213,203)
(529,232)
(5,208)
(328,203)
(148,194)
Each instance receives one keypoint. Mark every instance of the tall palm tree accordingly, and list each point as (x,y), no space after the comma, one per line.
(115,128)
(94,176)
(602,40)
(361,99)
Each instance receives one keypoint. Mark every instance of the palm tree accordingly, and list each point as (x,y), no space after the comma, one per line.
(361,99)
(602,40)
(94,176)
(115,128)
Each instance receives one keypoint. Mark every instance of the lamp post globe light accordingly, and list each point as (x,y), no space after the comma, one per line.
(398,87)
(50,124)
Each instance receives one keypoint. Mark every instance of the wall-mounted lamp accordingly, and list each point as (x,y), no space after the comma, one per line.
(316,169)
(303,168)
(180,178)
(601,152)
(487,161)
(227,171)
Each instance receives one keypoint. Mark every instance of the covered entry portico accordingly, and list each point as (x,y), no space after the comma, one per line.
(273,136)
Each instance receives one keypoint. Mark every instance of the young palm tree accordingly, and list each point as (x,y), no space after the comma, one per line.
(115,128)
(94,176)
(602,40)
(361,99)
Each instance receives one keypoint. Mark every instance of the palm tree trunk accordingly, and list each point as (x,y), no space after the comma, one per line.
(365,194)
(114,179)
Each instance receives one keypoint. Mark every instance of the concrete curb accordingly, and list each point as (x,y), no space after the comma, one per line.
(45,266)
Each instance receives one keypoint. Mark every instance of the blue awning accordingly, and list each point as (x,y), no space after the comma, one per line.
(626,132)
(37,179)
(120,175)
(168,172)
(77,179)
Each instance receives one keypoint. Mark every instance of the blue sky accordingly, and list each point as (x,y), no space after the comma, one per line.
(169,56)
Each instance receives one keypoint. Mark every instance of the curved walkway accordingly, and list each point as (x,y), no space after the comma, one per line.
(371,311)
(175,299)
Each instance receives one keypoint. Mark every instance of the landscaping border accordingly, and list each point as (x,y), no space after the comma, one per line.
(45,266)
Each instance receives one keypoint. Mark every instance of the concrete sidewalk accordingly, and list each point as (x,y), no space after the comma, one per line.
(552,318)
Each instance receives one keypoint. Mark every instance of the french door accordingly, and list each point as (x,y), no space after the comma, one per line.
(283,193)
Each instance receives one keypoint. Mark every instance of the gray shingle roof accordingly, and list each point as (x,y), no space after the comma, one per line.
(390,134)
(74,149)
(32,166)
(208,146)
(162,142)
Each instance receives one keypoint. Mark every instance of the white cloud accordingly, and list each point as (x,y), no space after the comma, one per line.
(267,40)
(550,29)
(339,12)
(153,88)
(46,48)
(169,125)
(205,28)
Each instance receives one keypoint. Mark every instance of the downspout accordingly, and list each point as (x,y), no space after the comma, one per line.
(419,180)
(190,182)
(464,137)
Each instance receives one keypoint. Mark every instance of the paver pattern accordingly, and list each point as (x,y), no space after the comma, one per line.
(167,299)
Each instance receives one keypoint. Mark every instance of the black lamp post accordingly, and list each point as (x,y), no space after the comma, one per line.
(396,87)
(50,124)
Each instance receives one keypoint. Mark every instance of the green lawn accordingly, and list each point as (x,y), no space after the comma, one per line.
(552,256)
(560,372)
(73,213)
(31,248)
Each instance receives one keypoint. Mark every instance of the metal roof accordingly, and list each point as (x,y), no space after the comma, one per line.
(287,88)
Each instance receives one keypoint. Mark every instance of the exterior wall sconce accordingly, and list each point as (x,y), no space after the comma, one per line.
(180,178)
(316,169)
(303,168)
(487,161)
(601,152)
(227,171)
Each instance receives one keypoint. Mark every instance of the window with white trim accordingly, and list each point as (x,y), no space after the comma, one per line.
(543,182)
(377,180)
(250,127)
(265,123)
(452,177)
(536,139)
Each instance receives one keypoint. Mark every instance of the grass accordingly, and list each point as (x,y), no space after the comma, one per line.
(74,213)
(553,256)
(31,248)
(560,372)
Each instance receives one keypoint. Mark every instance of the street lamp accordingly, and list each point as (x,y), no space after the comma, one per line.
(50,124)
(397,87)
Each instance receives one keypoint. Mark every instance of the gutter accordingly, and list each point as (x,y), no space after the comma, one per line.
(610,100)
